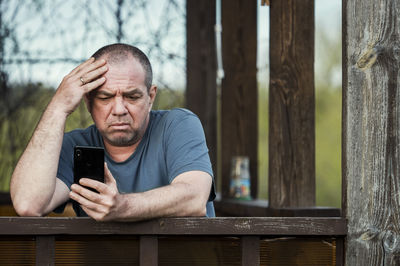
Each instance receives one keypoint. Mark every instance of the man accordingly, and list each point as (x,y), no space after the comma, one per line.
(156,162)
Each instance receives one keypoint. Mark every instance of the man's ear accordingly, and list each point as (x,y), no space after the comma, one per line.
(152,94)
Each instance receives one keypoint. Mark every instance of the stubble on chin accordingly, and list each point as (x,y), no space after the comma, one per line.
(122,141)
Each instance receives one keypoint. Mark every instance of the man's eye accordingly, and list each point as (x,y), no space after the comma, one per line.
(103,98)
(132,97)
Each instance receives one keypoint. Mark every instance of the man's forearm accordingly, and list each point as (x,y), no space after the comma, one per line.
(34,189)
(187,195)
(34,179)
(176,200)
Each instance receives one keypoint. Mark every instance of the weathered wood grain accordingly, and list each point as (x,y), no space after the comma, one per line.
(291,104)
(201,95)
(239,111)
(45,250)
(371,124)
(148,251)
(261,226)
(250,250)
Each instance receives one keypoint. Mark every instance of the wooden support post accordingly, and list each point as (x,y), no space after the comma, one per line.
(239,119)
(201,69)
(45,250)
(371,131)
(291,104)
(339,251)
(148,251)
(250,250)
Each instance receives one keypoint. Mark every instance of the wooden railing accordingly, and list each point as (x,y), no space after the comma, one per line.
(172,241)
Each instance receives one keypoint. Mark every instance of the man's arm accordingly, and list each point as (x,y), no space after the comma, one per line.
(187,195)
(34,188)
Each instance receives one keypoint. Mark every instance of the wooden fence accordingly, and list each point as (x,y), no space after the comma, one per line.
(172,241)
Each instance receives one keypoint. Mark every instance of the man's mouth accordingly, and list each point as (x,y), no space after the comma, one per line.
(119,126)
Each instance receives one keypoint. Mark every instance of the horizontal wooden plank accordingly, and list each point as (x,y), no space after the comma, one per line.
(261,226)
(260,208)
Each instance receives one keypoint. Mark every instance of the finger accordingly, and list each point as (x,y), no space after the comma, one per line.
(108,177)
(93,85)
(90,67)
(84,64)
(95,214)
(98,186)
(93,74)
(86,193)
(85,203)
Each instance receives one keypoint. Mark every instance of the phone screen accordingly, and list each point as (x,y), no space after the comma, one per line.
(88,163)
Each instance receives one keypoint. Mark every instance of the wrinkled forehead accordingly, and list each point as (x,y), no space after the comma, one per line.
(127,69)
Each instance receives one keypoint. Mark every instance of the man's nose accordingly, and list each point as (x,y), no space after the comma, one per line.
(119,107)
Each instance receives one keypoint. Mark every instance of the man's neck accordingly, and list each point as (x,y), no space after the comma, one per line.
(120,154)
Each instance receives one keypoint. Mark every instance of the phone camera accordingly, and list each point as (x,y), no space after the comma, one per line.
(78,153)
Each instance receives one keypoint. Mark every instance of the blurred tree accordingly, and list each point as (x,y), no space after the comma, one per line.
(328,69)
(25,104)
(41,41)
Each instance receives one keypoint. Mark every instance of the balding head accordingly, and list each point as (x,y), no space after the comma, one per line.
(119,52)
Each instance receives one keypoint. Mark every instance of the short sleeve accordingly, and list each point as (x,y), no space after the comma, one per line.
(185,145)
(65,163)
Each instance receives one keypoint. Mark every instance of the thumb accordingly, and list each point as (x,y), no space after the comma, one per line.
(108,177)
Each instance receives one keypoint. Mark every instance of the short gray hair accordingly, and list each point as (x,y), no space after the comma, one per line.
(117,52)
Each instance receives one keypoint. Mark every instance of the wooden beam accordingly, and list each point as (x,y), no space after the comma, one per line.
(201,69)
(250,250)
(239,106)
(291,104)
(228,226)
(371,125)
(148,251)
(45,250)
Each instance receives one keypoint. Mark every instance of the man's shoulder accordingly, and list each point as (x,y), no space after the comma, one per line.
(172,114)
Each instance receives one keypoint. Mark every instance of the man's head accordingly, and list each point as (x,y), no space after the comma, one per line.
(120,107)
(117,52)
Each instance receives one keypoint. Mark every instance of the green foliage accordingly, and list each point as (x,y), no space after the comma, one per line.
(24,106)
(80,118)
(168,99)
(328,147)
(263,142)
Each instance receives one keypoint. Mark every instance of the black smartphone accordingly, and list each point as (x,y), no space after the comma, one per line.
(88,163)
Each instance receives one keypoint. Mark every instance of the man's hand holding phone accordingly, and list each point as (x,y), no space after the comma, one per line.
(96,191)
(88,163)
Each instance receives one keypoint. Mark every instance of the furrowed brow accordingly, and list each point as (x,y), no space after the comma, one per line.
(104,93)
(137,92)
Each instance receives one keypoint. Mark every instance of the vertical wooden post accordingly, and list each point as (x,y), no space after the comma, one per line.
(45,250)
(291,104)
(371,124)
(201,69)
(250,250)
(148,251)
(239,128)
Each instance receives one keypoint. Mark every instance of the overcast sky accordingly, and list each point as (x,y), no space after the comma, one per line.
(49,36)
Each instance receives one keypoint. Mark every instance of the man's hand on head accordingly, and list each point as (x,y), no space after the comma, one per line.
(81,80)
(102,206)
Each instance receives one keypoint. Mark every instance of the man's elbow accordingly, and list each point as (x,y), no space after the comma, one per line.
(26,209)
(200,210)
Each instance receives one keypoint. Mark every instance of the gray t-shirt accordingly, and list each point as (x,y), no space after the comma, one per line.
(174,143)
